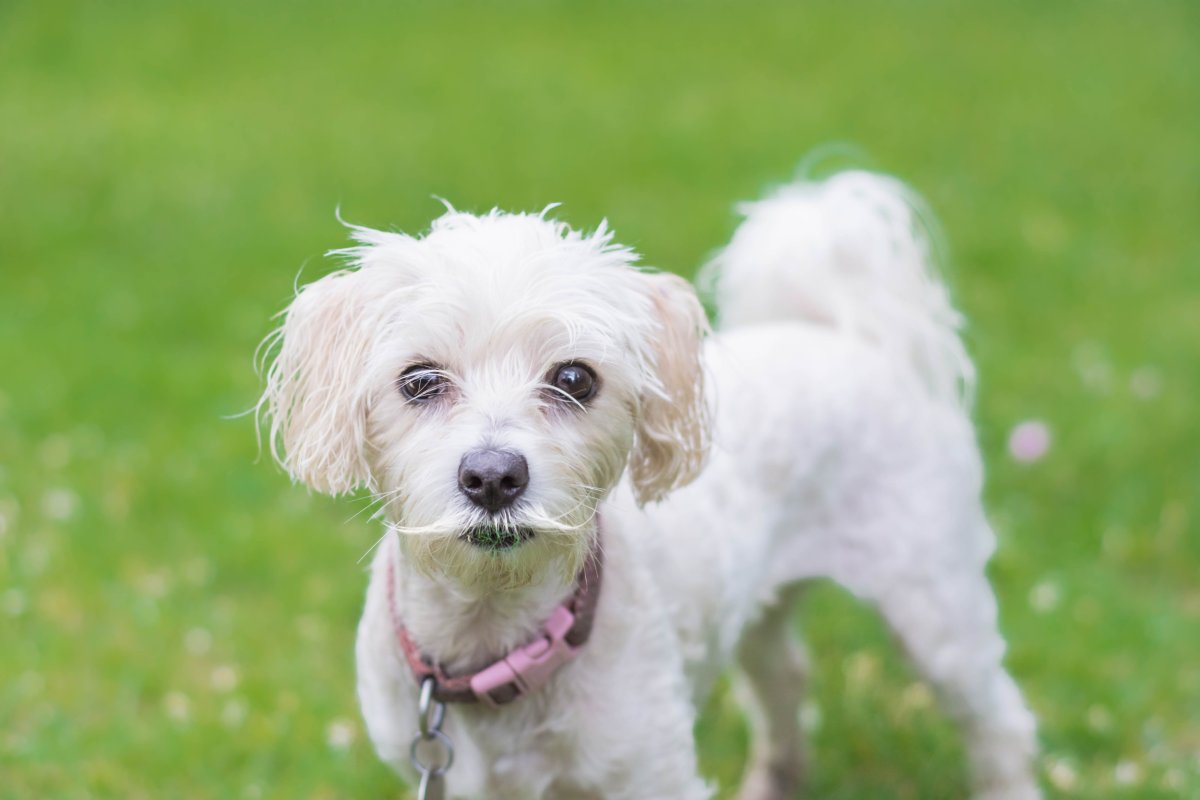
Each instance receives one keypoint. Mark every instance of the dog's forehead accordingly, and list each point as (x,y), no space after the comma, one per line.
(519,286)
(503,313)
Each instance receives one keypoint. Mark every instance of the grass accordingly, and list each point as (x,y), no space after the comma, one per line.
(176,619)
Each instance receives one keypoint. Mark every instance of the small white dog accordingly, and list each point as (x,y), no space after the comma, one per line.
(555,442)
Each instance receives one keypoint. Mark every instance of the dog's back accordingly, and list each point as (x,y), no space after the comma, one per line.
(842,448)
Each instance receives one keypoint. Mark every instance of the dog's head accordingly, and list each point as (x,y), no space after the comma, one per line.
(490,383)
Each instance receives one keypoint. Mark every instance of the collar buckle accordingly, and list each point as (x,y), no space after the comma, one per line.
(530,666)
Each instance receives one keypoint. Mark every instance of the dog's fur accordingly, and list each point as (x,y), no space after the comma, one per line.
(834,400)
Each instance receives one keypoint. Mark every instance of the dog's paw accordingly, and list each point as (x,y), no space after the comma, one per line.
(772,781)
(1024,790)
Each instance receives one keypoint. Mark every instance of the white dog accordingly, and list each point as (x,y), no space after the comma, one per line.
(555,442)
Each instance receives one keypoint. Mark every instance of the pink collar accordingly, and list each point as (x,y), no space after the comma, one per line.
(525,669)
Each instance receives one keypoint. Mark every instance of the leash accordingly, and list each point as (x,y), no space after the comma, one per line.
(520,672)
(431,752)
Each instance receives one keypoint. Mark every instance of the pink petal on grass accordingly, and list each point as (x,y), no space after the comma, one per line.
(1029,441)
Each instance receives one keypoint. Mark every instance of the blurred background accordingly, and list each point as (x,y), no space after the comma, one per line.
(176,619)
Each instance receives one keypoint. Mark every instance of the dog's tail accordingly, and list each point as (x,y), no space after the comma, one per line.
(854,251)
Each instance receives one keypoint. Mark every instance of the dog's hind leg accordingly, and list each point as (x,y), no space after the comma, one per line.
(776,668)
(945,618)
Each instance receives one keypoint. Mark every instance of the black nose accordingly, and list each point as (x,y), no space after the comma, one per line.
(493,479)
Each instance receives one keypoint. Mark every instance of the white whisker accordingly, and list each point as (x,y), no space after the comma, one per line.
(372,548)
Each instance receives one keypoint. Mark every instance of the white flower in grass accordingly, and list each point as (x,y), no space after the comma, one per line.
(917,696)
(810,716)
(1029,441)
(224,678)
(339,735)
(1145,383)
(1061,774)
(154,585)
(861,670)
(1044,597)
(178,706)
(1127,773)
(197,641)
(59,504)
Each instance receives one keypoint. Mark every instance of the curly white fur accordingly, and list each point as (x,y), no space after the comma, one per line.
(840,447)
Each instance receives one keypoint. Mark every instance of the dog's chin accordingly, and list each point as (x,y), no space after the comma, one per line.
(496,538)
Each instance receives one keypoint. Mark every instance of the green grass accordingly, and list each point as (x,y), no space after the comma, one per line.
(176,619)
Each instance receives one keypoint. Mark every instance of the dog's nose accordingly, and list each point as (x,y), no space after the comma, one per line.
(493,479)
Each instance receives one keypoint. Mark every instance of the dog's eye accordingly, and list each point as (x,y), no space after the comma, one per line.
(421,383)
(576,381)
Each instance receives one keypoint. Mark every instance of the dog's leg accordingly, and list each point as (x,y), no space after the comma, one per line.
(947,625)
(776,668)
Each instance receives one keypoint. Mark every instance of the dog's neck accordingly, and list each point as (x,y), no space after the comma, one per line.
(462,628)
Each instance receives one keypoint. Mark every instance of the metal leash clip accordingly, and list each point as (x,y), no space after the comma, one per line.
(431,752)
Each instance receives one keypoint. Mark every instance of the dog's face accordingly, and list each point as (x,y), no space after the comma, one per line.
(490,383)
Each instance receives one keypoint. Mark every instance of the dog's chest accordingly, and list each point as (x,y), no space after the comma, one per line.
(549,761)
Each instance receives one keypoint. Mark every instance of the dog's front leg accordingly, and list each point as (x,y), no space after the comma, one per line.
(629,700)
(653,753)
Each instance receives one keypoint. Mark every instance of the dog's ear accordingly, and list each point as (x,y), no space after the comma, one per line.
(315,396)
(672,436)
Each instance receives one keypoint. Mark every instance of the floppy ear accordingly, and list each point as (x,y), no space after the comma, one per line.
(672,435)
(316,395)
